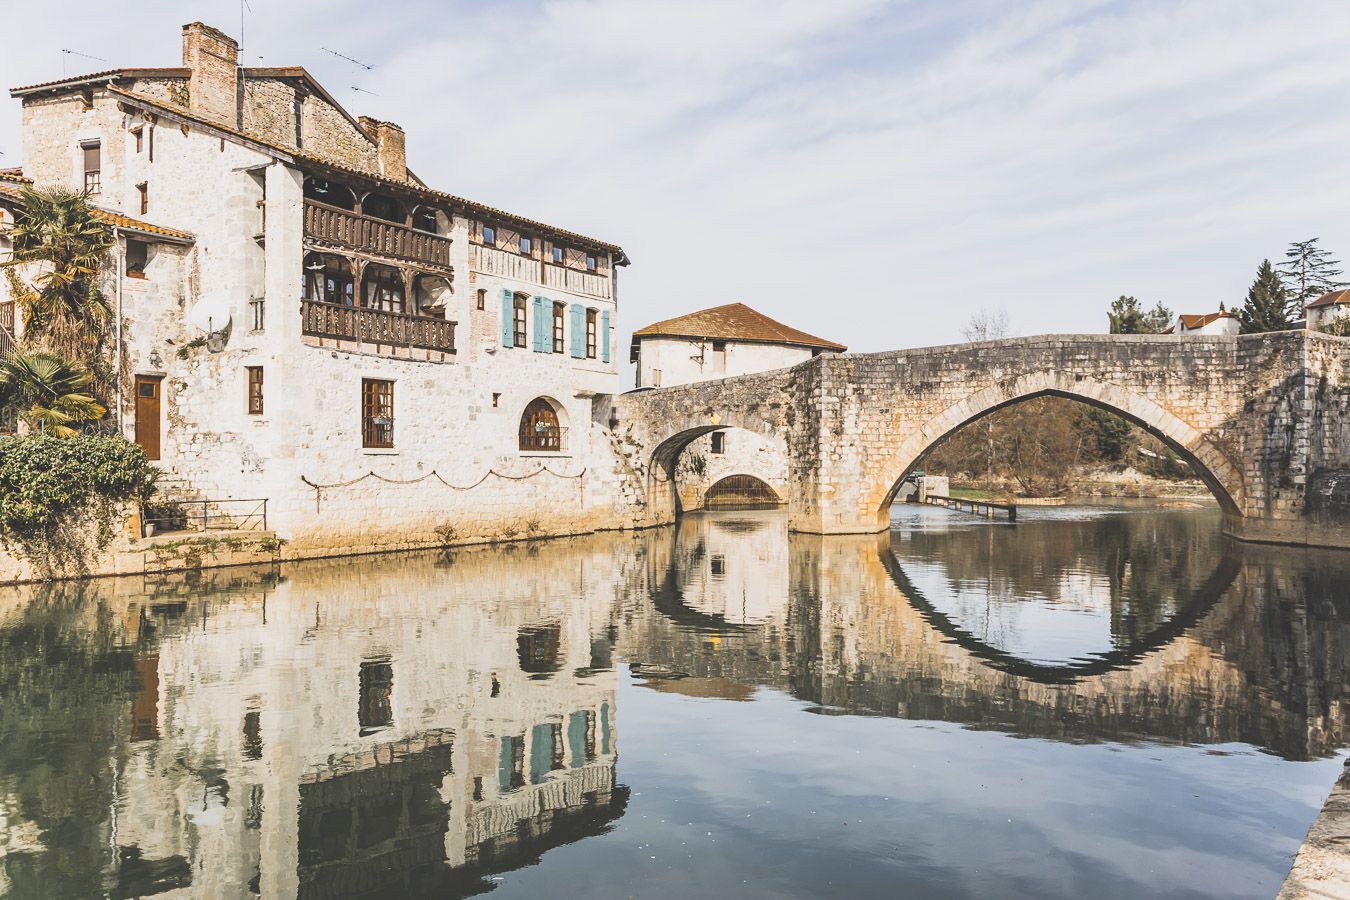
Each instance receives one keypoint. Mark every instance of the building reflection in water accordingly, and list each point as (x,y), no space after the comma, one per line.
(417,725)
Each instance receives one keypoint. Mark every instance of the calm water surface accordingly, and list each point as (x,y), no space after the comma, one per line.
(1096,702)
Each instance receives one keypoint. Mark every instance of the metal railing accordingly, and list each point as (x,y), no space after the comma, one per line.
(975,507)
(347,229)
(376,326)
(173,516)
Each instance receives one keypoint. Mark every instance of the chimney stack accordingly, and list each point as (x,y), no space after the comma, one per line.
(213,86)
(390,147)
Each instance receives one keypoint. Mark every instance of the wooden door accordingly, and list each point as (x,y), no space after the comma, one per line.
(147,415)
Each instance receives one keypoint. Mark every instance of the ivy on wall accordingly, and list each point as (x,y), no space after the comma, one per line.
(59,497)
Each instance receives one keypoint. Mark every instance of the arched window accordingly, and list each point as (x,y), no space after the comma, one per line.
(424,219)
(540,431)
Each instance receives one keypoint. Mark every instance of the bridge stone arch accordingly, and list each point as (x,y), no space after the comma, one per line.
(1219,474)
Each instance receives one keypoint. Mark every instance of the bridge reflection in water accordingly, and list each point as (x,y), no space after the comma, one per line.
(419,725)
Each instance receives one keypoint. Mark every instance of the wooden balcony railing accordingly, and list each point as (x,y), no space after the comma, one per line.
(374,326)
(587,284)
(345,229)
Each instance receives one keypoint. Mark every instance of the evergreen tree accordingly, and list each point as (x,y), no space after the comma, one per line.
(1267,306)
(1307,272)
(1128,317)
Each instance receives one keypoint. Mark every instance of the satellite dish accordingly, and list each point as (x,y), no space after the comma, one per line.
(211,315)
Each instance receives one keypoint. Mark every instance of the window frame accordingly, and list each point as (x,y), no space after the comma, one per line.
(94,184)
(525,246)
(377,402)
(144,190)
(488,235)
(254,380)
(132,270)
(559,314)
(533,439)
(592,332)
(719,443)
(519,330)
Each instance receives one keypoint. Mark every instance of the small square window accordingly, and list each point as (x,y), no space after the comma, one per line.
(489,236)
(590,262)
(526,246)
(558,255)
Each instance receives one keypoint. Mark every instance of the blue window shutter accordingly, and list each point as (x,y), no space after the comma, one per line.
(541,325)
(578,331)
(604,336)
(508,318)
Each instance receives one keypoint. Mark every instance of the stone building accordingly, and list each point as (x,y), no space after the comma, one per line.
(309,323)
(1221,322)
(1327,309)
(733,466)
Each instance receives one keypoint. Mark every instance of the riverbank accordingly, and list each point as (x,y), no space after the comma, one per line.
(1322,867)
(1128,485)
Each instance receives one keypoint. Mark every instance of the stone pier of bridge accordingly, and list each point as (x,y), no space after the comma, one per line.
(1263,419)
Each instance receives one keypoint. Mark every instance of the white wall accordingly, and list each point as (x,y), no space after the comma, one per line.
(682,361)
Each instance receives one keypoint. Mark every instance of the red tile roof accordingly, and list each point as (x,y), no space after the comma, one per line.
(107,74)
(1332,298)
(127,223)
(734,322)
(1200,321)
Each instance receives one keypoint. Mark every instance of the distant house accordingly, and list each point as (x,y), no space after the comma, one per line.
(1221,322)
(1328,308)
(717,343)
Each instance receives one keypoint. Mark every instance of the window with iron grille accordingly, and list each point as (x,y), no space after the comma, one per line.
(377,413)
(539,428)
(93,166)
(592,341)
(519,319)
(558,309)
(255,390)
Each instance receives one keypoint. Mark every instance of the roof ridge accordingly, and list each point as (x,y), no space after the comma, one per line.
(734,321)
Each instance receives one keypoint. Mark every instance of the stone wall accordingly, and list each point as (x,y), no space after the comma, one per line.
(744,453)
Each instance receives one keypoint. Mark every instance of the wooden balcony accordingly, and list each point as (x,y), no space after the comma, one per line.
(491,261)
(337,227)
(588,284)
(373,326)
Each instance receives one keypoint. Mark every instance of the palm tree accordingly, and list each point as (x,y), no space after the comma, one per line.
(48,392)
(64,311)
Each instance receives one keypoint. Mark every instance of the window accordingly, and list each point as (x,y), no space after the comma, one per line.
(253,745)
(377,413)
(382,207)
(591,342)
(558,309)
(558,255)
(656,377)
(383,289)
(482,298)
(590,262)
(537,648)
(719,442)
(539,428)
(718,565)
(526,245)
(144,189)
(374,711)
(258,306)
(719,346)
(518,316)
(489,236)
(327,279)
(93,165)
(496,399)
(139,135)
(255,390)
(138,252)
(511,770)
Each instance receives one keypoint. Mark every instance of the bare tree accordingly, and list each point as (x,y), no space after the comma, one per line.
(987,325)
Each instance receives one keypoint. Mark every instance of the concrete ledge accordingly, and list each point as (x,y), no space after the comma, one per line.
(1322,867)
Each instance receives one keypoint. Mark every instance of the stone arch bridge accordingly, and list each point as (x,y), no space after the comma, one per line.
(1263,419)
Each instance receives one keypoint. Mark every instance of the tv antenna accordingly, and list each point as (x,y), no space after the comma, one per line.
(66,54)
(364,91)
(348,58)
(243,6)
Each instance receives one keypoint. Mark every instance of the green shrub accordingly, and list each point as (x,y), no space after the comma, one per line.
(59,496)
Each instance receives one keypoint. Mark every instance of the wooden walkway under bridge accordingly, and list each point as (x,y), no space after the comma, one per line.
(984,508)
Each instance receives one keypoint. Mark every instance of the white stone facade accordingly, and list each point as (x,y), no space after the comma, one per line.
(670,361)
(455,471)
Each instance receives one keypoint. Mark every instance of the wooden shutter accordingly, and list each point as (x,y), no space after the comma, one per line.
(542,342)
(578,331)
(604,336)
(508,318)
(92,157)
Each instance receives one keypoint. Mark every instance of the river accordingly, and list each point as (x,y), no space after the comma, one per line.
(1100,701)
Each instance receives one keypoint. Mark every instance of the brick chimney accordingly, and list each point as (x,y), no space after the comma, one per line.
(389,147)
(213,57)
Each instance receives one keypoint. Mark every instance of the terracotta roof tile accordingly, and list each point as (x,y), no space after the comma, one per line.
(119,220)
(1199,321)
(109,74)
(1331,298)
(734,322)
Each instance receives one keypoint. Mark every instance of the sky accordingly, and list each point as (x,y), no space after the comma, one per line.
(872,172)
